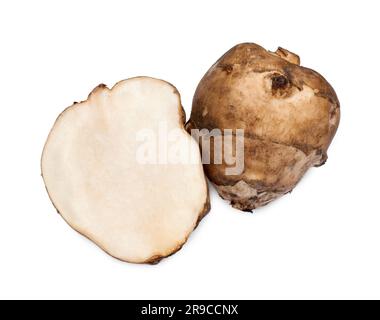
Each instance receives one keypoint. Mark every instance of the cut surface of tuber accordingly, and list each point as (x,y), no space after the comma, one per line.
(137,212)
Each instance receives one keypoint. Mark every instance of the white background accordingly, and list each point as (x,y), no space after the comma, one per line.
(322,241)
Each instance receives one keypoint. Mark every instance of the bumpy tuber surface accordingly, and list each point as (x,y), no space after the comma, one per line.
(136,212)
(289,115)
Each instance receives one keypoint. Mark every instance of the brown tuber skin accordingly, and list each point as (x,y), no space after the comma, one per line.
(289,114)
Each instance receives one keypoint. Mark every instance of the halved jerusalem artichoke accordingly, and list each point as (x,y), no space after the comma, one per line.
(289,115)
(137,212)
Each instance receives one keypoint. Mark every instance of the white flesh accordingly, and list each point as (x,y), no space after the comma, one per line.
(135,212)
